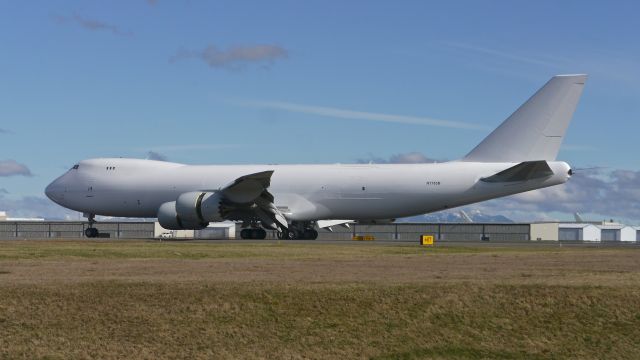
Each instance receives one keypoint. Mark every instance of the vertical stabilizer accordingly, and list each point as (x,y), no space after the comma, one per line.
(536,130)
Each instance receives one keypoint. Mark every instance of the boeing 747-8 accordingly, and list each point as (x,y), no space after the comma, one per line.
(296,200)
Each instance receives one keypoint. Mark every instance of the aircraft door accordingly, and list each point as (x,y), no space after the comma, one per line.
(90,188)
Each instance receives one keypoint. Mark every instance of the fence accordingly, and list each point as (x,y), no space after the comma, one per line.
(441,232)
(386,232)
(71,230)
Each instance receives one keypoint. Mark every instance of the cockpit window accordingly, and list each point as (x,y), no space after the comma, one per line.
(75,167)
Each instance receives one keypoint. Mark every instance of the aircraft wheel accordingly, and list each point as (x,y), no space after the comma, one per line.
(258,234)
(310,234)
(91,232)
(245,234)
(293,234)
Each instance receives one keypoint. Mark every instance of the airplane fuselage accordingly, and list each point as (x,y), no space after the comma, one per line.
(136,188)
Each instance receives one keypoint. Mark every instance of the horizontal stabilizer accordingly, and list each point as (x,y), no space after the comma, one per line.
(524,171)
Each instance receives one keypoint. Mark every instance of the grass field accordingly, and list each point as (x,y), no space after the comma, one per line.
(137,299)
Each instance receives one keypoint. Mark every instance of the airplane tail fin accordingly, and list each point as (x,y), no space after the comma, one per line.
(534,131)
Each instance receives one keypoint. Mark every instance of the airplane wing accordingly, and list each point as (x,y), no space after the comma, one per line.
(524,171)
(249,194)
(247,188)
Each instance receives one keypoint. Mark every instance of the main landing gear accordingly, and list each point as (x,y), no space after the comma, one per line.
(298,234)
(91,232)
(256,234)
(296,231)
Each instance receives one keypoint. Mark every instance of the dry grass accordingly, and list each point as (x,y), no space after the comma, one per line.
(61,300)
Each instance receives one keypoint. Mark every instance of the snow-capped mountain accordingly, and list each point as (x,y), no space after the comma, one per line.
(455,216)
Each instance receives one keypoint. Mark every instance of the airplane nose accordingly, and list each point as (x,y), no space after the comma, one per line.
(53,191)
(49,191)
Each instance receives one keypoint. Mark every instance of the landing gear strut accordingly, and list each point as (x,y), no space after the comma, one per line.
(91,232)
(257,234)
(298,233)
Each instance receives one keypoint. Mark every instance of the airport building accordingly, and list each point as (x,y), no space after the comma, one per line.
(617,232)
(401,232)
(578,232)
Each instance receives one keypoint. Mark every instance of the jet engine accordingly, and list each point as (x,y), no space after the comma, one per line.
(170,220)
(199,207)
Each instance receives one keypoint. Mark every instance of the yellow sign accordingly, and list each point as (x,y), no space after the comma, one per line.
(363,237)
(426,240)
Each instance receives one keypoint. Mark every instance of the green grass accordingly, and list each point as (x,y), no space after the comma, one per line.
(140,320)
(16,250)
(572,303)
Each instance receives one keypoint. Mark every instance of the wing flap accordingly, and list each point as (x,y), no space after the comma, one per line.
(328,223)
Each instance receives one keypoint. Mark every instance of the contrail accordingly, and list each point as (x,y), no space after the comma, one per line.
(356,115)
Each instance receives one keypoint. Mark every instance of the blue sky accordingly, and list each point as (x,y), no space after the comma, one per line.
(241,82)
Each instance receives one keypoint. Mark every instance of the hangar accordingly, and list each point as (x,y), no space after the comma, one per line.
(617,232)
(578,232)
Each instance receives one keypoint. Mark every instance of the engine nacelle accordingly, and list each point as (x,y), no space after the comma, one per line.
(170,220)
(199,207)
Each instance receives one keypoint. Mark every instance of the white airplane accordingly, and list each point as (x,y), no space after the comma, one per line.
(295,200)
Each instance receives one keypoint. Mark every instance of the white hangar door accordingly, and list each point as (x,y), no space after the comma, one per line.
(569,234)
(610,235)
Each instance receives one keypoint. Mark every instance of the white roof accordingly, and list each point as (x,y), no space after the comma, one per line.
(613,226)
(574,225)
(25,219)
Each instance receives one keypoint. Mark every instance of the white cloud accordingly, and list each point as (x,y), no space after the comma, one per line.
(35,207)
(356,115)
(614,194)
(92,24)
(13,168)
(236,57)
(153,155)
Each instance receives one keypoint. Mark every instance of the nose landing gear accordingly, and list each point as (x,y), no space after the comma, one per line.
(91,232)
